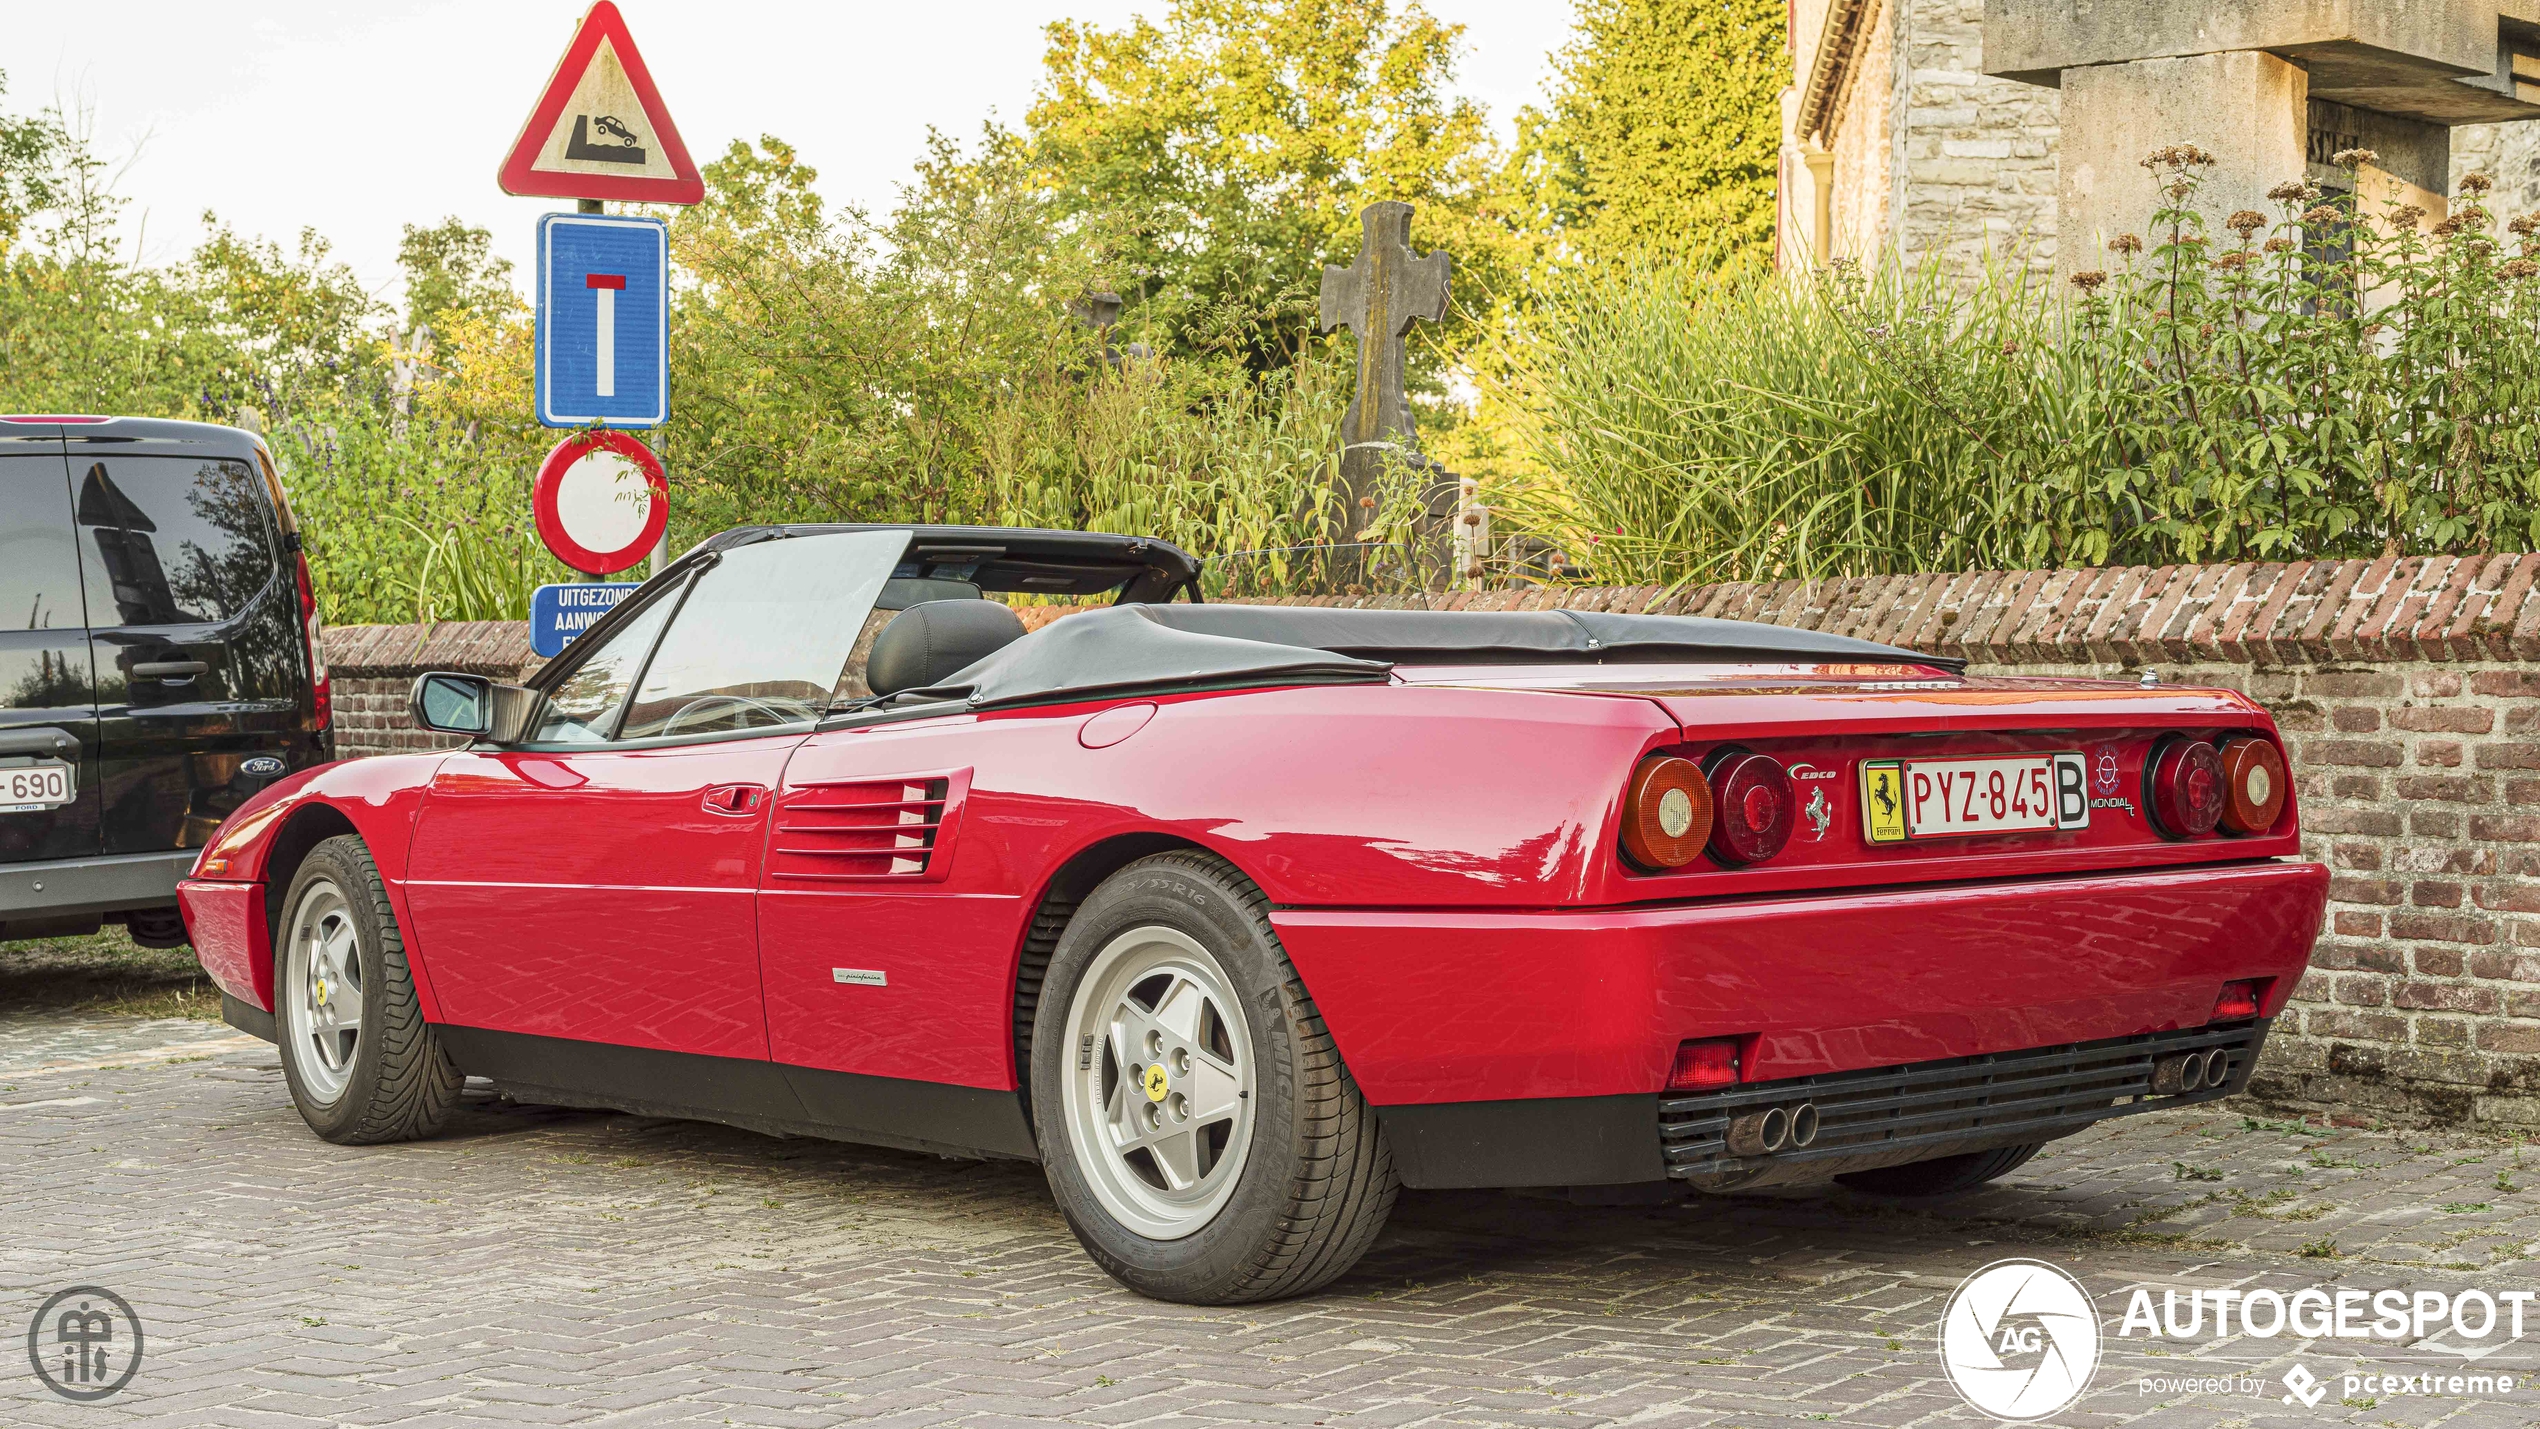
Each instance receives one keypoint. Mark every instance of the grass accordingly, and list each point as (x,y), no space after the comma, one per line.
(105,973)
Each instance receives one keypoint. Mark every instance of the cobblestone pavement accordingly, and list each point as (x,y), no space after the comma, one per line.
(545,1266)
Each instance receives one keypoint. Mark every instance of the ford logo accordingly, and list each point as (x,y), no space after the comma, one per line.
(263,766)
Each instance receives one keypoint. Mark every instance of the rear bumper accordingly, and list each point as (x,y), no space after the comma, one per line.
(1885,1116)
(1445,1007)
(108,883)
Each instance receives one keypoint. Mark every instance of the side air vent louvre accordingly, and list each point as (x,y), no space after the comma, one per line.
(895,830)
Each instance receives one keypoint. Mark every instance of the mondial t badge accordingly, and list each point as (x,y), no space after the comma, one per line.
(1155,1082)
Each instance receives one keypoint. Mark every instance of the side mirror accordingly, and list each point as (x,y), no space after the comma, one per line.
(470,705)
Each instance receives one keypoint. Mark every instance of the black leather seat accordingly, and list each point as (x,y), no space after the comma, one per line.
(925,643)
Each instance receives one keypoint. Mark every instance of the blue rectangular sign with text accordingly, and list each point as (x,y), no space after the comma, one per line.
(603,350)
(557,613)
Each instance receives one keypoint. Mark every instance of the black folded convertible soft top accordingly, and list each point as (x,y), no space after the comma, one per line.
(1459,637)
(1164,647)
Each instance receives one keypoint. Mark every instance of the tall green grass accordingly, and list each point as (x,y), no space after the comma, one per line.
(2330,380)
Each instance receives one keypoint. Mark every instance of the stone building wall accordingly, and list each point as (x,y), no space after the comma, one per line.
(2507,153)
(1976,155)
(1932,154)
(2408,691)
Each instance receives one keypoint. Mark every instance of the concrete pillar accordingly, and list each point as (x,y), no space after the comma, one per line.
(2247,108)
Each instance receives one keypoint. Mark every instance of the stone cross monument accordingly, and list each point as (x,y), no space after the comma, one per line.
(1378,298)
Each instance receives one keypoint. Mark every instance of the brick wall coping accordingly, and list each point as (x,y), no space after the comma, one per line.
(474,647)
(2439,608)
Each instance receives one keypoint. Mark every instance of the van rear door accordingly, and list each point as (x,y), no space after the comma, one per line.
(49,746)
(195,621)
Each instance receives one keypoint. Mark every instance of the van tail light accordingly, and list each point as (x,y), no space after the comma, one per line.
(1753,809)
(313,631)
(1666,813)
(2186,776)
(2253,785)
(2239,1000)
(1700,1066)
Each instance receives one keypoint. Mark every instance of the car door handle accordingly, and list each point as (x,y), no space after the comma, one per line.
(734,799)
(170,669)
(43,739)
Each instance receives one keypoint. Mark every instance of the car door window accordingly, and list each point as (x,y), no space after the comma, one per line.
(582,707)
(763,636)
(172,540)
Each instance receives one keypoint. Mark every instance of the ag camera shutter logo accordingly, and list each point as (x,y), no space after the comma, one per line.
(2020,1340)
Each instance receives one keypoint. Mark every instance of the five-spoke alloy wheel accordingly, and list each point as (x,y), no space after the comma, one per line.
(321,989)
(1161,1096)
(1200,1132)
(362,1064)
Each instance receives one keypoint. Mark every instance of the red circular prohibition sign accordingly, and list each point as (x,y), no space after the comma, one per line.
(577,484)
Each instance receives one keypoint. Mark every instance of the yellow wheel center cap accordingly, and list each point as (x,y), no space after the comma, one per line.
(1155,1082)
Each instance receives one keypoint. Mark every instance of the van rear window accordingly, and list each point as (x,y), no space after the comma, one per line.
(172,540)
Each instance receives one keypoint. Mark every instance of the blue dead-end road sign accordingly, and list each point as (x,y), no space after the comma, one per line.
(603,321)
(557,613)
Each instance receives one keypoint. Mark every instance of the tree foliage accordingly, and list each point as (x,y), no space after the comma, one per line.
(452,273)
(1664,135)
(1221,157)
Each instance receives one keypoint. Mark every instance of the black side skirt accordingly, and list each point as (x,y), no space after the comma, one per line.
(1547,1141)
(757,1096)
(248,1018)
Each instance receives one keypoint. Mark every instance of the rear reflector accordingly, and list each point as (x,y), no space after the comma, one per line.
(1708,1063)
(1666,813)
(2253,785)
(2239,1000)
(2187,788)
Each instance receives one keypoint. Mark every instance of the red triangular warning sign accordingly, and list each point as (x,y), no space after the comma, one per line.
(600,129)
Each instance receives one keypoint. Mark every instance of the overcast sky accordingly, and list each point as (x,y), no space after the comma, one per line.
(356,119)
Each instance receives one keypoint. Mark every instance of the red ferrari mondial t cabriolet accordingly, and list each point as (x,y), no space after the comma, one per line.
(1236,918)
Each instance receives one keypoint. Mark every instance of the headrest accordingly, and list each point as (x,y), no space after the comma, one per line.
(925,643)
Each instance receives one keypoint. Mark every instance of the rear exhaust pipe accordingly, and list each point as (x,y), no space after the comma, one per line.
(2182,1073)
(2218,1067)
(1803,1125)
(1761,1133)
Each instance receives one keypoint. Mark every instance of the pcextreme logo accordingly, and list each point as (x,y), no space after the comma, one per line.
(2020,1340)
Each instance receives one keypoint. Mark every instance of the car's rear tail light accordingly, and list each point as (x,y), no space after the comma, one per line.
(2239,1000)
(2253,785)
(313,631)
(1752,808)
(1702,1065)
(2187,788)
(1666,813)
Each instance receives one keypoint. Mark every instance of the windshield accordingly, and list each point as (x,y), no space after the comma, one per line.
(756,641)
(763,635)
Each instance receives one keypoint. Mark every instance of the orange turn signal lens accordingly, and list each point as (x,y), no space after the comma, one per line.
(2253,785)
(1666,812)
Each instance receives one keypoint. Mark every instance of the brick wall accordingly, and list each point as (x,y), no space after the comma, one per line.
(2408,691)
(373,668)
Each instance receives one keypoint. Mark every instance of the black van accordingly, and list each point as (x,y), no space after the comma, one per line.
(159,662)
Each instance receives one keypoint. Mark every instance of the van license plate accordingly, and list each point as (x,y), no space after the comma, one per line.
(1952,798)
(28,788)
